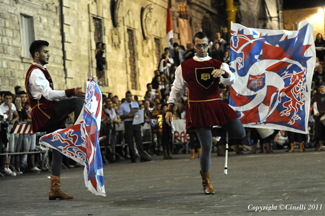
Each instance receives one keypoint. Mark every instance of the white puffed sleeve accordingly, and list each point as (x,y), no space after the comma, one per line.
(178,88)
(231,78)
(39,86)
(315,109)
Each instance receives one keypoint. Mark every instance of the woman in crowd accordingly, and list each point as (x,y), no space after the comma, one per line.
(167,140)
(226,57)
(164,65)
(319,75)
(320,44)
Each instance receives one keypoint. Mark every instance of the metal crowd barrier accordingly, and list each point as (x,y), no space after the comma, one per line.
(23,128)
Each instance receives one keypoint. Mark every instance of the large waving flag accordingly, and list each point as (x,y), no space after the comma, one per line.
(273,70)
(169,24)
(80,141)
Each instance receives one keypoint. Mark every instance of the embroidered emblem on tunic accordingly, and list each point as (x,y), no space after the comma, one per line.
(203,76)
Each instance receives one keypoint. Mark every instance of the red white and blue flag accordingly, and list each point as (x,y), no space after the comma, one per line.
(273,71)
(80,141)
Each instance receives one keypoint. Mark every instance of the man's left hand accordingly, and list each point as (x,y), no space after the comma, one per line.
(217,73)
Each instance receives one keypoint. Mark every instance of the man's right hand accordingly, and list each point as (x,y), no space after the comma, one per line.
(79,93)
(169,117)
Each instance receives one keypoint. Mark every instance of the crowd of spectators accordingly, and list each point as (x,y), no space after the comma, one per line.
(15,110)
(156,140)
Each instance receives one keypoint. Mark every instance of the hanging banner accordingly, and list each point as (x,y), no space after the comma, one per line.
(185,31)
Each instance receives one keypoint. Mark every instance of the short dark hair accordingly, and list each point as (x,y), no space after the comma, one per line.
(36,46)
(163,56)
(8,93)
(21,93)
(199,35)
(17,88)
(166,48)
(148,84)
(175,45)
(128,92)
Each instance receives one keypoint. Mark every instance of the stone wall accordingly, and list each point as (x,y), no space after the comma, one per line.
(13,62)
(252,14)
(73,60)
(77,52)
(293,17)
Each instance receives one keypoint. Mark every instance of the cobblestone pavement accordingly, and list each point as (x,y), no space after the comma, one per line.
(280,183)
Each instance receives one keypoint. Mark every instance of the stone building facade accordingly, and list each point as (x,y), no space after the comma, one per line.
(20,23)
(264,14)
(134,33)
(315,15)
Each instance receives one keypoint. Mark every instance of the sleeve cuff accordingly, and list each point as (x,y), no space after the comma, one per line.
(69,92)
(225,67)
(225,75)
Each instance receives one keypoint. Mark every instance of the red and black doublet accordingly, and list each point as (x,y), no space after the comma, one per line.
(205,106)
(42,109)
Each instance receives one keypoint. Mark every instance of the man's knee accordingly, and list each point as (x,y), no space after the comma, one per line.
(77,101)
(238,133)
(242,133)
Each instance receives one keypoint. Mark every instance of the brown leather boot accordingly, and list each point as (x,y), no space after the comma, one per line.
(192,153)
(55,191)
(253,149)
(170,154)
(301,147)
(166,155)
(319,146)
(238,151)
(262,148)
(268,148)
(198,153)
(221,150)
(207,186)
(292,148)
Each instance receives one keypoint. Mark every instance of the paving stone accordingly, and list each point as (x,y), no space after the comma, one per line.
(280,183)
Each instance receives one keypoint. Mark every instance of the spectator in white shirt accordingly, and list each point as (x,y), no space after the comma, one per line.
(10,115)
